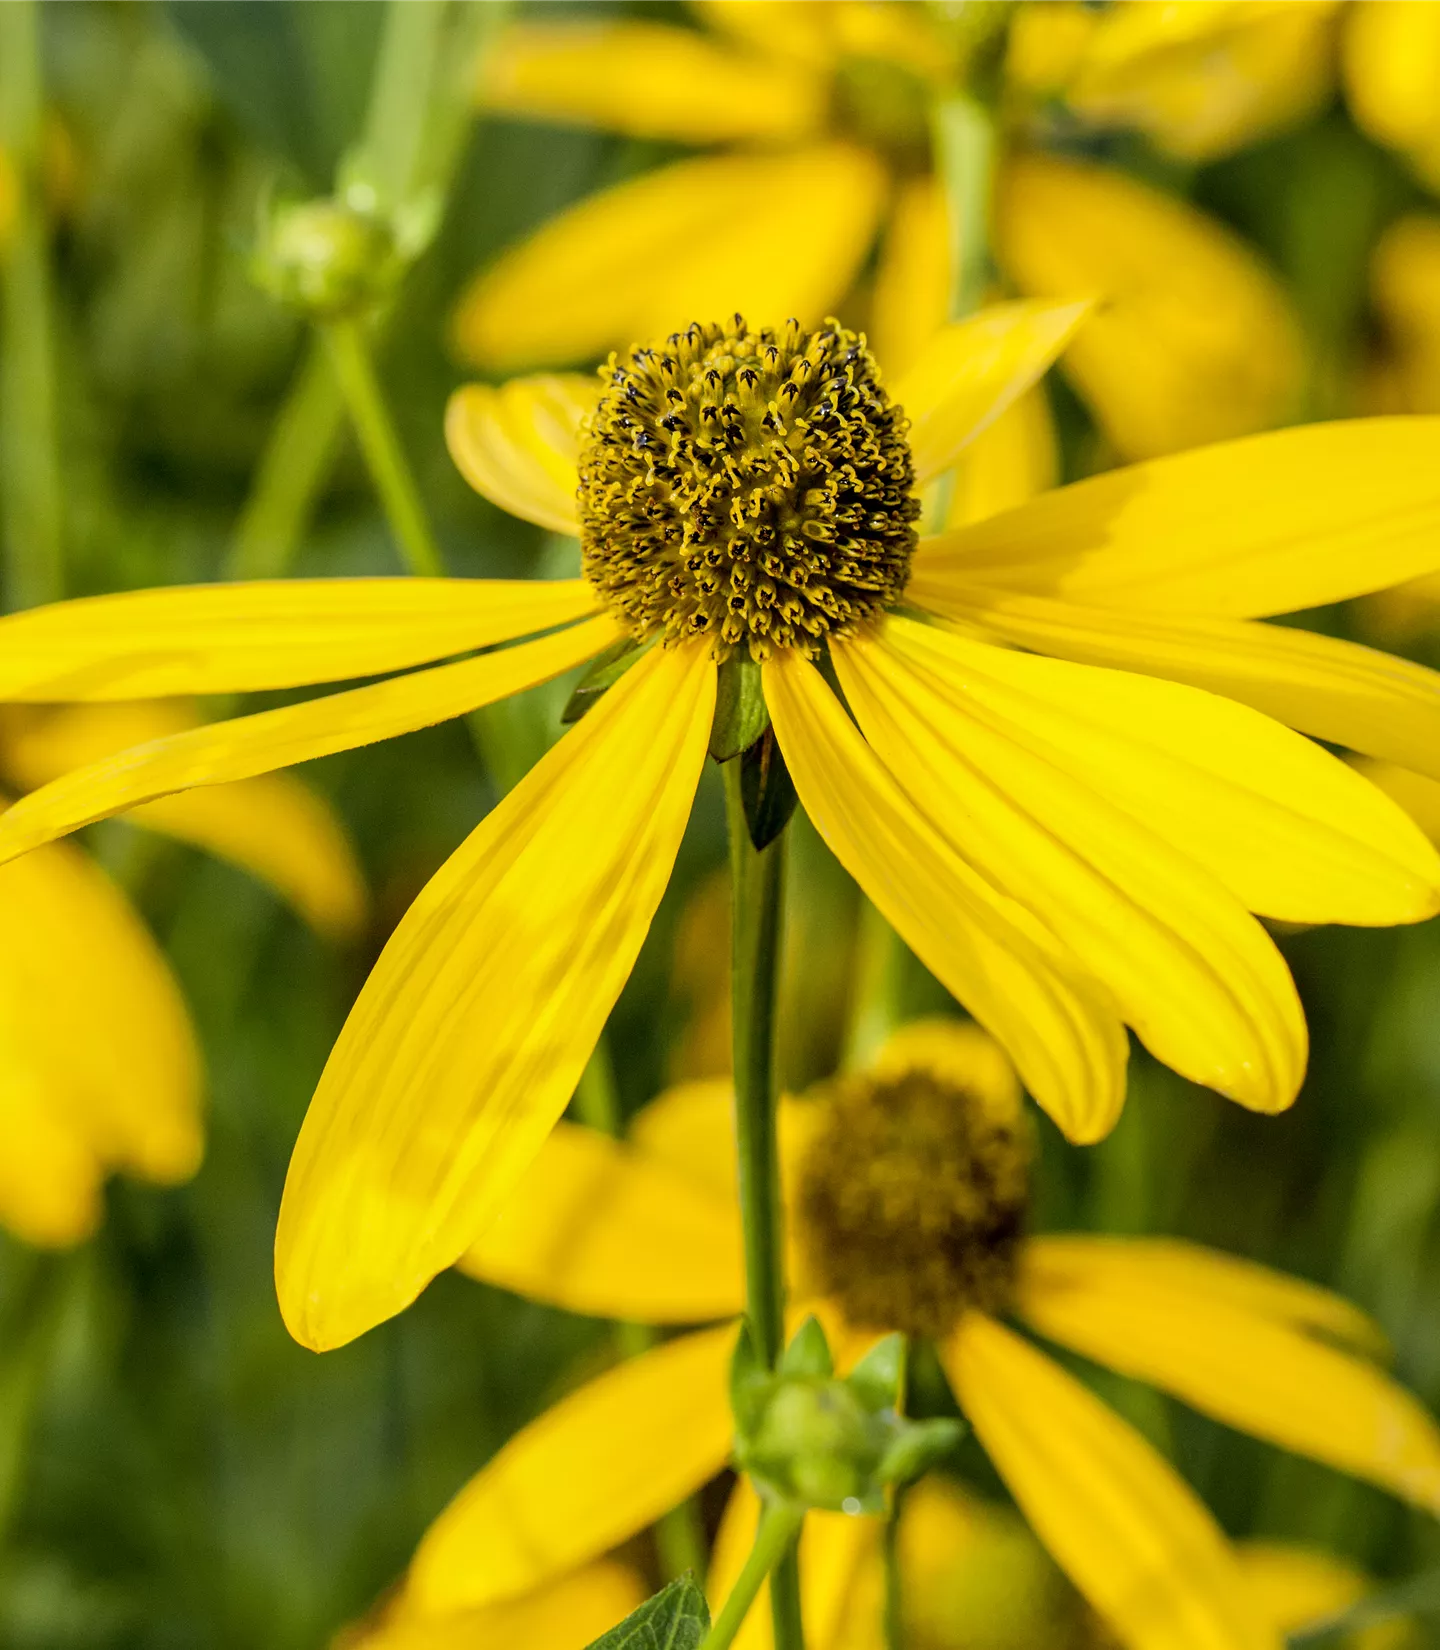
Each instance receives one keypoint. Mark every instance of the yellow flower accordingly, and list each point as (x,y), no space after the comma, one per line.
(1070,849)
(1200,79)
(906,1196)
(101,1068)
(1195,341)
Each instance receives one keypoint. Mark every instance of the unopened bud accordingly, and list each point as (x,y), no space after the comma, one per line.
(327,259)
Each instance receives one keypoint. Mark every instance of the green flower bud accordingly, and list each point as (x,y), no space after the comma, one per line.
(326,259)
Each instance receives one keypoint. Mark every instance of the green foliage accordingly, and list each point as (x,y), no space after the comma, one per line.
(677,1618)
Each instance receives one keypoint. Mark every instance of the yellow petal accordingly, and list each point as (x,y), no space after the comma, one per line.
(1245,1368)
(1192,341)
(912,285)
(250,745)
(768,235)
(89,1008)
(648,80)
(1058,1262)
(568,1613)
(968,374)
(1188,967)
(241,638)
(1063,1036)
(795,29)
(1294,1586)
(596,1226)
(1274,524)
(691,1129)
(1006,464)
(50,1177)
(472,1031)
(517,444)
(593,1470)
(1416,793)
(1391,62)
(1286,827)
(1335,690)
(957,1053)
(1129,1532)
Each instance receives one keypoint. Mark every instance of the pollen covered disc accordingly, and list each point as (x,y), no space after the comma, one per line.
(755,488)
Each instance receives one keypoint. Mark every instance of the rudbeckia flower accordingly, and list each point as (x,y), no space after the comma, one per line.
(1194,340)
(907,1189)
(100,1063)
(1069,848)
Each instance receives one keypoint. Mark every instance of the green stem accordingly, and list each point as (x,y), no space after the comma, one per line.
(774,1541)
(380,443)
(894,1621)
(757,892)
(964,140)
(877,1001)
(29,460)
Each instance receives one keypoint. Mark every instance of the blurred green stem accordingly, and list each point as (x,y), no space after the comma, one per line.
(757,894)
(774,1543)
(877,994)
(29,460)
(964,141)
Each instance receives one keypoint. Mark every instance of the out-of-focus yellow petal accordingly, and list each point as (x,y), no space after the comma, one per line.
(517,444)
(648,80)
(475,1025)
(242,638)
(1192,341)
(597,1467)
(1006,464)
(768,235)
(1059,1262)
(1295,1586)
(50,1177)
(1391,62)
(1208,77)
(691,1127)
(9,197)
(1127,1529)
(989,951)
(1280,522)
(1289,829)
(238,750)
(93,1014)
(1335,690)
(597,1226)
(802,30)
(568,1613)
(1188,967)
(1245,1368)
(968,374)
(912,285)
(837,1569)
(1405,290)
(956,1052)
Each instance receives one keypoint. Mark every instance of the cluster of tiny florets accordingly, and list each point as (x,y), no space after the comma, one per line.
(911,1202)
(755,488)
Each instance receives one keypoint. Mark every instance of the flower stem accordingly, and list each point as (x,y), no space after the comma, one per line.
(757,893)
(894,1620)
(779,1525)
(29,457)
(380,443)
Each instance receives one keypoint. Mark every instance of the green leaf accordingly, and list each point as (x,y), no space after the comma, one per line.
(766,789)
(677,1618)
(605,670)
(740,712)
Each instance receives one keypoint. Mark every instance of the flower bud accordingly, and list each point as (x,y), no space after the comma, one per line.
(326,259)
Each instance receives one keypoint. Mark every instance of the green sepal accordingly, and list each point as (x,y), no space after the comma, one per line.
(876,1378)
(677,1618)
(916,1447)
(766,790)
(809,1352)
(750,1380)
(605,670)
(740,712)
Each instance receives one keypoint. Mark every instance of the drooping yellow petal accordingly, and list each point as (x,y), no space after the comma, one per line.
(911,302)
(1007,970)
(1057,1262)
(93,1019)
(250,745)
(597,1226)
(1245,1368)
(768,235)
(967,375)
(1392,66)
(568,1613)
(1188,967)
(838,1569)
(1120,1521)
(50,1176)
(596,1468)
(648,80)
(1192,340)
(517,444)
(1334,690)
(242,638)
(1273,524)
(472,1031)
(691,1128)
(277,828)
(1289,829)
(1007,464)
